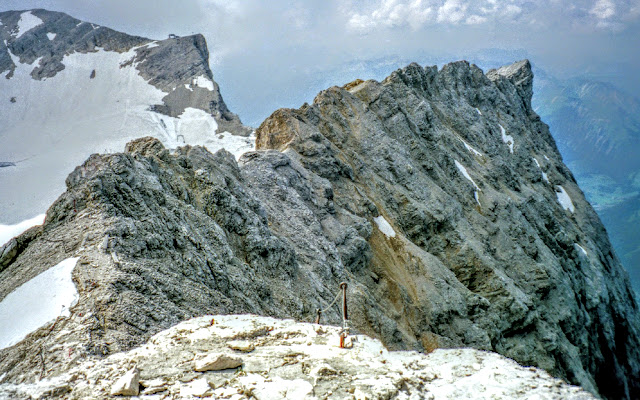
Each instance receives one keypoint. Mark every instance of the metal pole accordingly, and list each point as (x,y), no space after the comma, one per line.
(343,286)
(345,316)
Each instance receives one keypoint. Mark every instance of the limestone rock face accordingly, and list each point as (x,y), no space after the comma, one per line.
(162,236)
(297,361)
(438,196)
(216,362)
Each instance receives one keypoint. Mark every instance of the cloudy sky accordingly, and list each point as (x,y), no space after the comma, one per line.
(279,53)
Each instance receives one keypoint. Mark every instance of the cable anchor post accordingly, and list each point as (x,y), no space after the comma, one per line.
(345,316)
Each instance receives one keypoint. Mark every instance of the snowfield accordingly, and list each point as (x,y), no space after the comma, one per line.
(582,249)
(8,232)
(37,302)
(56,123)
(470,149)
(465,173)
(507,139)
(564,199)
(204,82)
(384,226)
(544,175)
(27,22)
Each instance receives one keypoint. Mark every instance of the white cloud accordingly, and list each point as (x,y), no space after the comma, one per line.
(416,14)
(361,23)
(452,11)
(511,10)
(393,13)
(603,9)
(475,20)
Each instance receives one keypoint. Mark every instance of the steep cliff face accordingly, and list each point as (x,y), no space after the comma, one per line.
(438,196)
(471,182)
(70,88)
(597,128)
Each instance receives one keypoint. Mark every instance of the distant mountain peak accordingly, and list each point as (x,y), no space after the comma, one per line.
(174,65)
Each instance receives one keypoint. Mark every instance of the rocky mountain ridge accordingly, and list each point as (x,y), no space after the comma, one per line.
(399,143)
(438,195)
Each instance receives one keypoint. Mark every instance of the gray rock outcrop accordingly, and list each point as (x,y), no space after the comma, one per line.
(128,384)
(439,196)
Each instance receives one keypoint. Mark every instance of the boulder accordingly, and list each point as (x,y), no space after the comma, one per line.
(128,384)
(216,362)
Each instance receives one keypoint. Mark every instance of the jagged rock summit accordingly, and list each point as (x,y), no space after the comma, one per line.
(71,88)
(280,359)
(437,195)
(465,171)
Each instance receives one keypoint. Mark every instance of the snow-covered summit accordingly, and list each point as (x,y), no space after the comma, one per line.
(240,356)
(71,88)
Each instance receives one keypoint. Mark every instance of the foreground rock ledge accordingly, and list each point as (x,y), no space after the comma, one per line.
(296,361)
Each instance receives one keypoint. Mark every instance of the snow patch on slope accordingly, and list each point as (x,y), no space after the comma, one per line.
(7,232)
(544,175)
(193,126)
(507,139)
(27,22)
(197,127)
(236,145)
(204,82)
(465,173)
(564,199)
(38,301)
(471,149)
(51,35)
(582,249)
(384,226)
